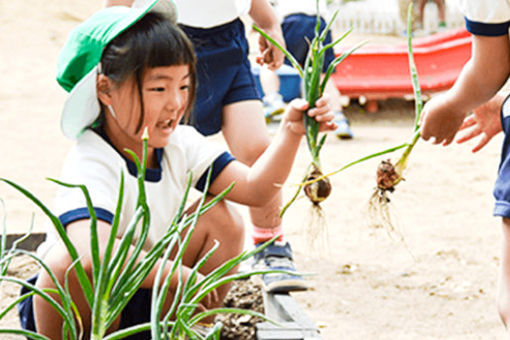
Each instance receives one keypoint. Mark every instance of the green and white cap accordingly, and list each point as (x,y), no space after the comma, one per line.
(78,61)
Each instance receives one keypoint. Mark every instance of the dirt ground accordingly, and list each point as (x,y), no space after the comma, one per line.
(440,283)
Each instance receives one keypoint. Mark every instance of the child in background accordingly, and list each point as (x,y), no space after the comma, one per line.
(299,19)
(441,9)
(480,79)
(227,100)
(130,69)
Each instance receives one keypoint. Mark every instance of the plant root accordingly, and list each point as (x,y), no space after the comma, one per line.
(380,216)
(379,211)
(317,231)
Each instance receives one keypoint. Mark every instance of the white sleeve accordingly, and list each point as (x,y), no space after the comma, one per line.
(489,12)
(200,152)
(101,178)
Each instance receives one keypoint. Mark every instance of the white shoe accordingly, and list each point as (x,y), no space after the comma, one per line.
(343,131)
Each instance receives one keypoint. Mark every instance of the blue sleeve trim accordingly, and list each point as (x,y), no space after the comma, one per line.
(218,165)
(83,213)
(489,30)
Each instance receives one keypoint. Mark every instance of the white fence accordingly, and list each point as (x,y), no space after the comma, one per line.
(382,16)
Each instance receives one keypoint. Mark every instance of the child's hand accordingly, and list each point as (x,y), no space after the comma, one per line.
(210,300)
(321,112)
(270,54)
(484,121)
(440,121)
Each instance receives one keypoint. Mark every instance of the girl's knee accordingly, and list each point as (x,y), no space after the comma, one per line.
(503,305)
(504,312)
(59,261)
(228,223)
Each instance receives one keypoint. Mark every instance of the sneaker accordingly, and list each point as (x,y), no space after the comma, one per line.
(273,105)
(278,256)
(343,131)
(441,27)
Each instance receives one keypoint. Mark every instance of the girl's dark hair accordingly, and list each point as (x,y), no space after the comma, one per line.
(151,42)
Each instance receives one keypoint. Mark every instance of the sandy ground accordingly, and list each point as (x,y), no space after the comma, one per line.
(438,284)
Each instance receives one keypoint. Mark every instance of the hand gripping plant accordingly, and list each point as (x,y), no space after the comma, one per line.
(118,274)
(317,187)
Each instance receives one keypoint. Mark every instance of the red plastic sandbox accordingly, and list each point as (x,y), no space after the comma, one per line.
(382,72)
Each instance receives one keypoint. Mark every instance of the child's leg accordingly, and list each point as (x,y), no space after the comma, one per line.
(246,134)
(504,275)
(421,10)
(220,223)
(269,81)
(47,320)
(441,10)
(224,224)
(272,101)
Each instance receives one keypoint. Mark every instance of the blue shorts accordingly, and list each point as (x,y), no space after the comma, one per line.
(137,311)
(297,28)
(223,73)
(502,186)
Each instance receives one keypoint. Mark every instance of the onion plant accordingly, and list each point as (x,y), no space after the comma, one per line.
(314,83)
(388,175)
(118,274)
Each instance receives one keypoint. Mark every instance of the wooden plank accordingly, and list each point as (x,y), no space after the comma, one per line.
(287,331)
(296,325)
(30,243)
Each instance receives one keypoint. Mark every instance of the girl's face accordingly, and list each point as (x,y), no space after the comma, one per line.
(165,91)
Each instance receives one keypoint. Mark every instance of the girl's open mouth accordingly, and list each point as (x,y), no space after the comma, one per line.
(166,124)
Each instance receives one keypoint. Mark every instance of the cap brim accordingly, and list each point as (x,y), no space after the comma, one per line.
(82,107)
(166,8)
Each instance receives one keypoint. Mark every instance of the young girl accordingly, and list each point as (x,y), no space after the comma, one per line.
(227,100)
(128,69)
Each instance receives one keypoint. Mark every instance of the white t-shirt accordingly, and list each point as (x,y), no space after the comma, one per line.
(309,7)
(489,18)
(210,13)
(96,164)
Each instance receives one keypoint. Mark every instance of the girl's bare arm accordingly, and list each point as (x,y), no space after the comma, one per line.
(256,185)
